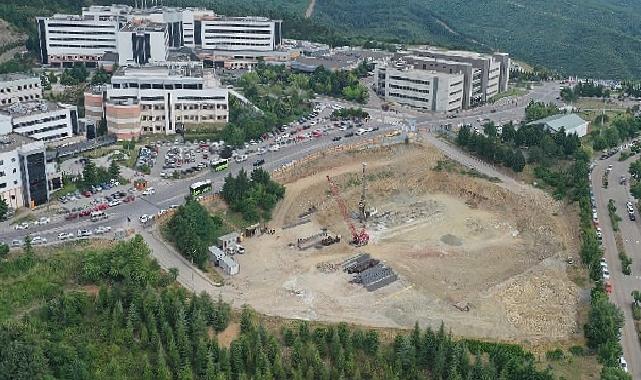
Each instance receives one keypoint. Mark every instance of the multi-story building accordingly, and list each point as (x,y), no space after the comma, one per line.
(422,89)
(67,39)
(240,33)
(489,74)
(101,30)
(40,120)
(142,44)
(15,88)
(157,100)
(26,179)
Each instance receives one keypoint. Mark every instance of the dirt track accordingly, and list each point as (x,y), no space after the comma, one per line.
(456,242)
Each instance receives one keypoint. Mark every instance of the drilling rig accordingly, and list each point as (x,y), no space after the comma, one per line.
(359,237)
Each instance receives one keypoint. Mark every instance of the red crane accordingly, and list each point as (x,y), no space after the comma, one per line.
(359,238)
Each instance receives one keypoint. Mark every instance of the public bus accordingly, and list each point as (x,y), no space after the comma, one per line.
(200,188)
(221,165)
(98,215)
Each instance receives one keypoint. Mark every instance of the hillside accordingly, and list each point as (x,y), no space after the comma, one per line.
(598,38)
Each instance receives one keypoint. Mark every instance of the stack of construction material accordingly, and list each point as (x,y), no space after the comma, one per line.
(376,277)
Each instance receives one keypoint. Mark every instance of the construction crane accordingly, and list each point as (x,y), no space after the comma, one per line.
(359,238)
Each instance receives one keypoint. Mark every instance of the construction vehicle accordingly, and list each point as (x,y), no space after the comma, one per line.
(359,237)
(329,240)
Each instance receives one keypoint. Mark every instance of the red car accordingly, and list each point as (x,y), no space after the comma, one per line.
(71,216)
(85,213)
(101,207)
(129,198)
(608,286)
(87,193)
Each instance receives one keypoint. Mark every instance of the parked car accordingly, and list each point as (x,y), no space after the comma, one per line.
(22,226)
(260,162)
(65,236)
(102,230)
(84,233)
(43,220)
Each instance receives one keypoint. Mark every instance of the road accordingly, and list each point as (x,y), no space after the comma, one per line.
(631,232)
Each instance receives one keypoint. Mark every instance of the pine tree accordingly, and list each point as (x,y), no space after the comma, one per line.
(186,372)
(147,371)
(162,370)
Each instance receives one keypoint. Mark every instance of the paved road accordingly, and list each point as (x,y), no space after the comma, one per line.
(631,232)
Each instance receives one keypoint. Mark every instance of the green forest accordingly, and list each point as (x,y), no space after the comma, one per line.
(594,38)
(111,313)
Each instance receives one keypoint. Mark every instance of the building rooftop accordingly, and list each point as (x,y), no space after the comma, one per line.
(157,72)
(143,27)
(569,122)
(13,141)
(30,108)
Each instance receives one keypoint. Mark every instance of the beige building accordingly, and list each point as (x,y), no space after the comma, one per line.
(15,88)
(150,100)
(422,89)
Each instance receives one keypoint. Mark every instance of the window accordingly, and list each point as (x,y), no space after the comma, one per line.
(3,185)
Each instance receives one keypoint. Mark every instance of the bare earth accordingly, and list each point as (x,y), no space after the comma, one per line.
(486,261)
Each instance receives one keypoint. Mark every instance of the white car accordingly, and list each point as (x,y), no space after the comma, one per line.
(149,191)
(38,240)
(241,157)
(623,364)
(360,131)
(65,236)
(144,218)
(43,220)
(22,226)
(84,233)
(274,148)
(102,230)
(17,243)
(114,203)
(605,273)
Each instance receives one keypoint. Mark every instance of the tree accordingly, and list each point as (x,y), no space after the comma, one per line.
(4,250)
(114,169)
(89,173)
(100,77)
(4,208)
(518,161)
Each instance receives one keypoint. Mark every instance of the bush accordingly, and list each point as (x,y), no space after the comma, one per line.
(554,355)
(577,350)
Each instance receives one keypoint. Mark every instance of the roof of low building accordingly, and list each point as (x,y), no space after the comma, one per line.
(568,121)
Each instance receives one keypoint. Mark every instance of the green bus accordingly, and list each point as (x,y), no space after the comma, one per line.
(199,188)
(221,165)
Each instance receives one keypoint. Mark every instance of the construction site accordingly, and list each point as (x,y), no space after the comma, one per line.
(378,237)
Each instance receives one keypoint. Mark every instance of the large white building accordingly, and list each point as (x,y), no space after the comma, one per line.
(485,74)
(421,89)
(26,179)
(66,39)
(40,120)
(15,88)
(150,100)
(240,33)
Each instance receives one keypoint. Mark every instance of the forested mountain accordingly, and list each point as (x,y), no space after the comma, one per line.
(598,38)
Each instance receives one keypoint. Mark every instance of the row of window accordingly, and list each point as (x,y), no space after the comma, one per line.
(3,185)
(415,81)
(407,88)
(2,173)
(41,121)
(21,99)
(224,43)
(56,127)
(402,96)
(84,46)
(30,86)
